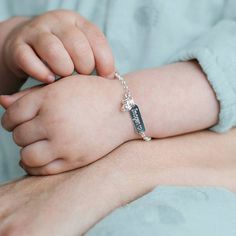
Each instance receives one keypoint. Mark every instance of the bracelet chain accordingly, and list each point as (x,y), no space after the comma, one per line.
(128,104)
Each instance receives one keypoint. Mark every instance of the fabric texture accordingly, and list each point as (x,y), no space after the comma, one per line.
(174,211)
(150,33)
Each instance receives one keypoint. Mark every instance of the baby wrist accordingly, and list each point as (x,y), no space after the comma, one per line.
(129,105)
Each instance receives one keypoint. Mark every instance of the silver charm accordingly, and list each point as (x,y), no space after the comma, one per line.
(128,104)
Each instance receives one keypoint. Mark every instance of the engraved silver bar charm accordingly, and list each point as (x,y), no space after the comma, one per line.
(137,119)
(129,105)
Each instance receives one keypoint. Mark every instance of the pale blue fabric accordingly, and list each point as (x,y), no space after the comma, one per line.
(146,34)
(151,33)
(174,211)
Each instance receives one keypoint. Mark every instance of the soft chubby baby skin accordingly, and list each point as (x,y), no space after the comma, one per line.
(67,124)
(54,43)
(77,120)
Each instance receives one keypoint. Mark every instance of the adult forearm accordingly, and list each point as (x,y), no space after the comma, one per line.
(71,203)
(174,99)
(137,167)
(197,159)
(9,82)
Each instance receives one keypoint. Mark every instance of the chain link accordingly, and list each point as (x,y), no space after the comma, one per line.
(128,103)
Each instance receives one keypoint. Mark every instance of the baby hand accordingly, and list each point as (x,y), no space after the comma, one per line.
(57,43)
(68,124)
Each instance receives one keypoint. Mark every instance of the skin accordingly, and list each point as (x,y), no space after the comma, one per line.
(54,43)
(48,151)
(53,142)
(127,172)
(69,203)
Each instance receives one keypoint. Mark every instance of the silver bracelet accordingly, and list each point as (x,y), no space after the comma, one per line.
(129,105)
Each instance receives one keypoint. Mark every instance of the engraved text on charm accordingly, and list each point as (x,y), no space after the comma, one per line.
(137,119)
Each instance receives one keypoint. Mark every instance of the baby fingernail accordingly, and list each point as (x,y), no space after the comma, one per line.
(111,76)
(51,78)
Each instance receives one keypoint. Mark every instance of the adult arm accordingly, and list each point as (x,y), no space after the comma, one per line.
(71,203)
